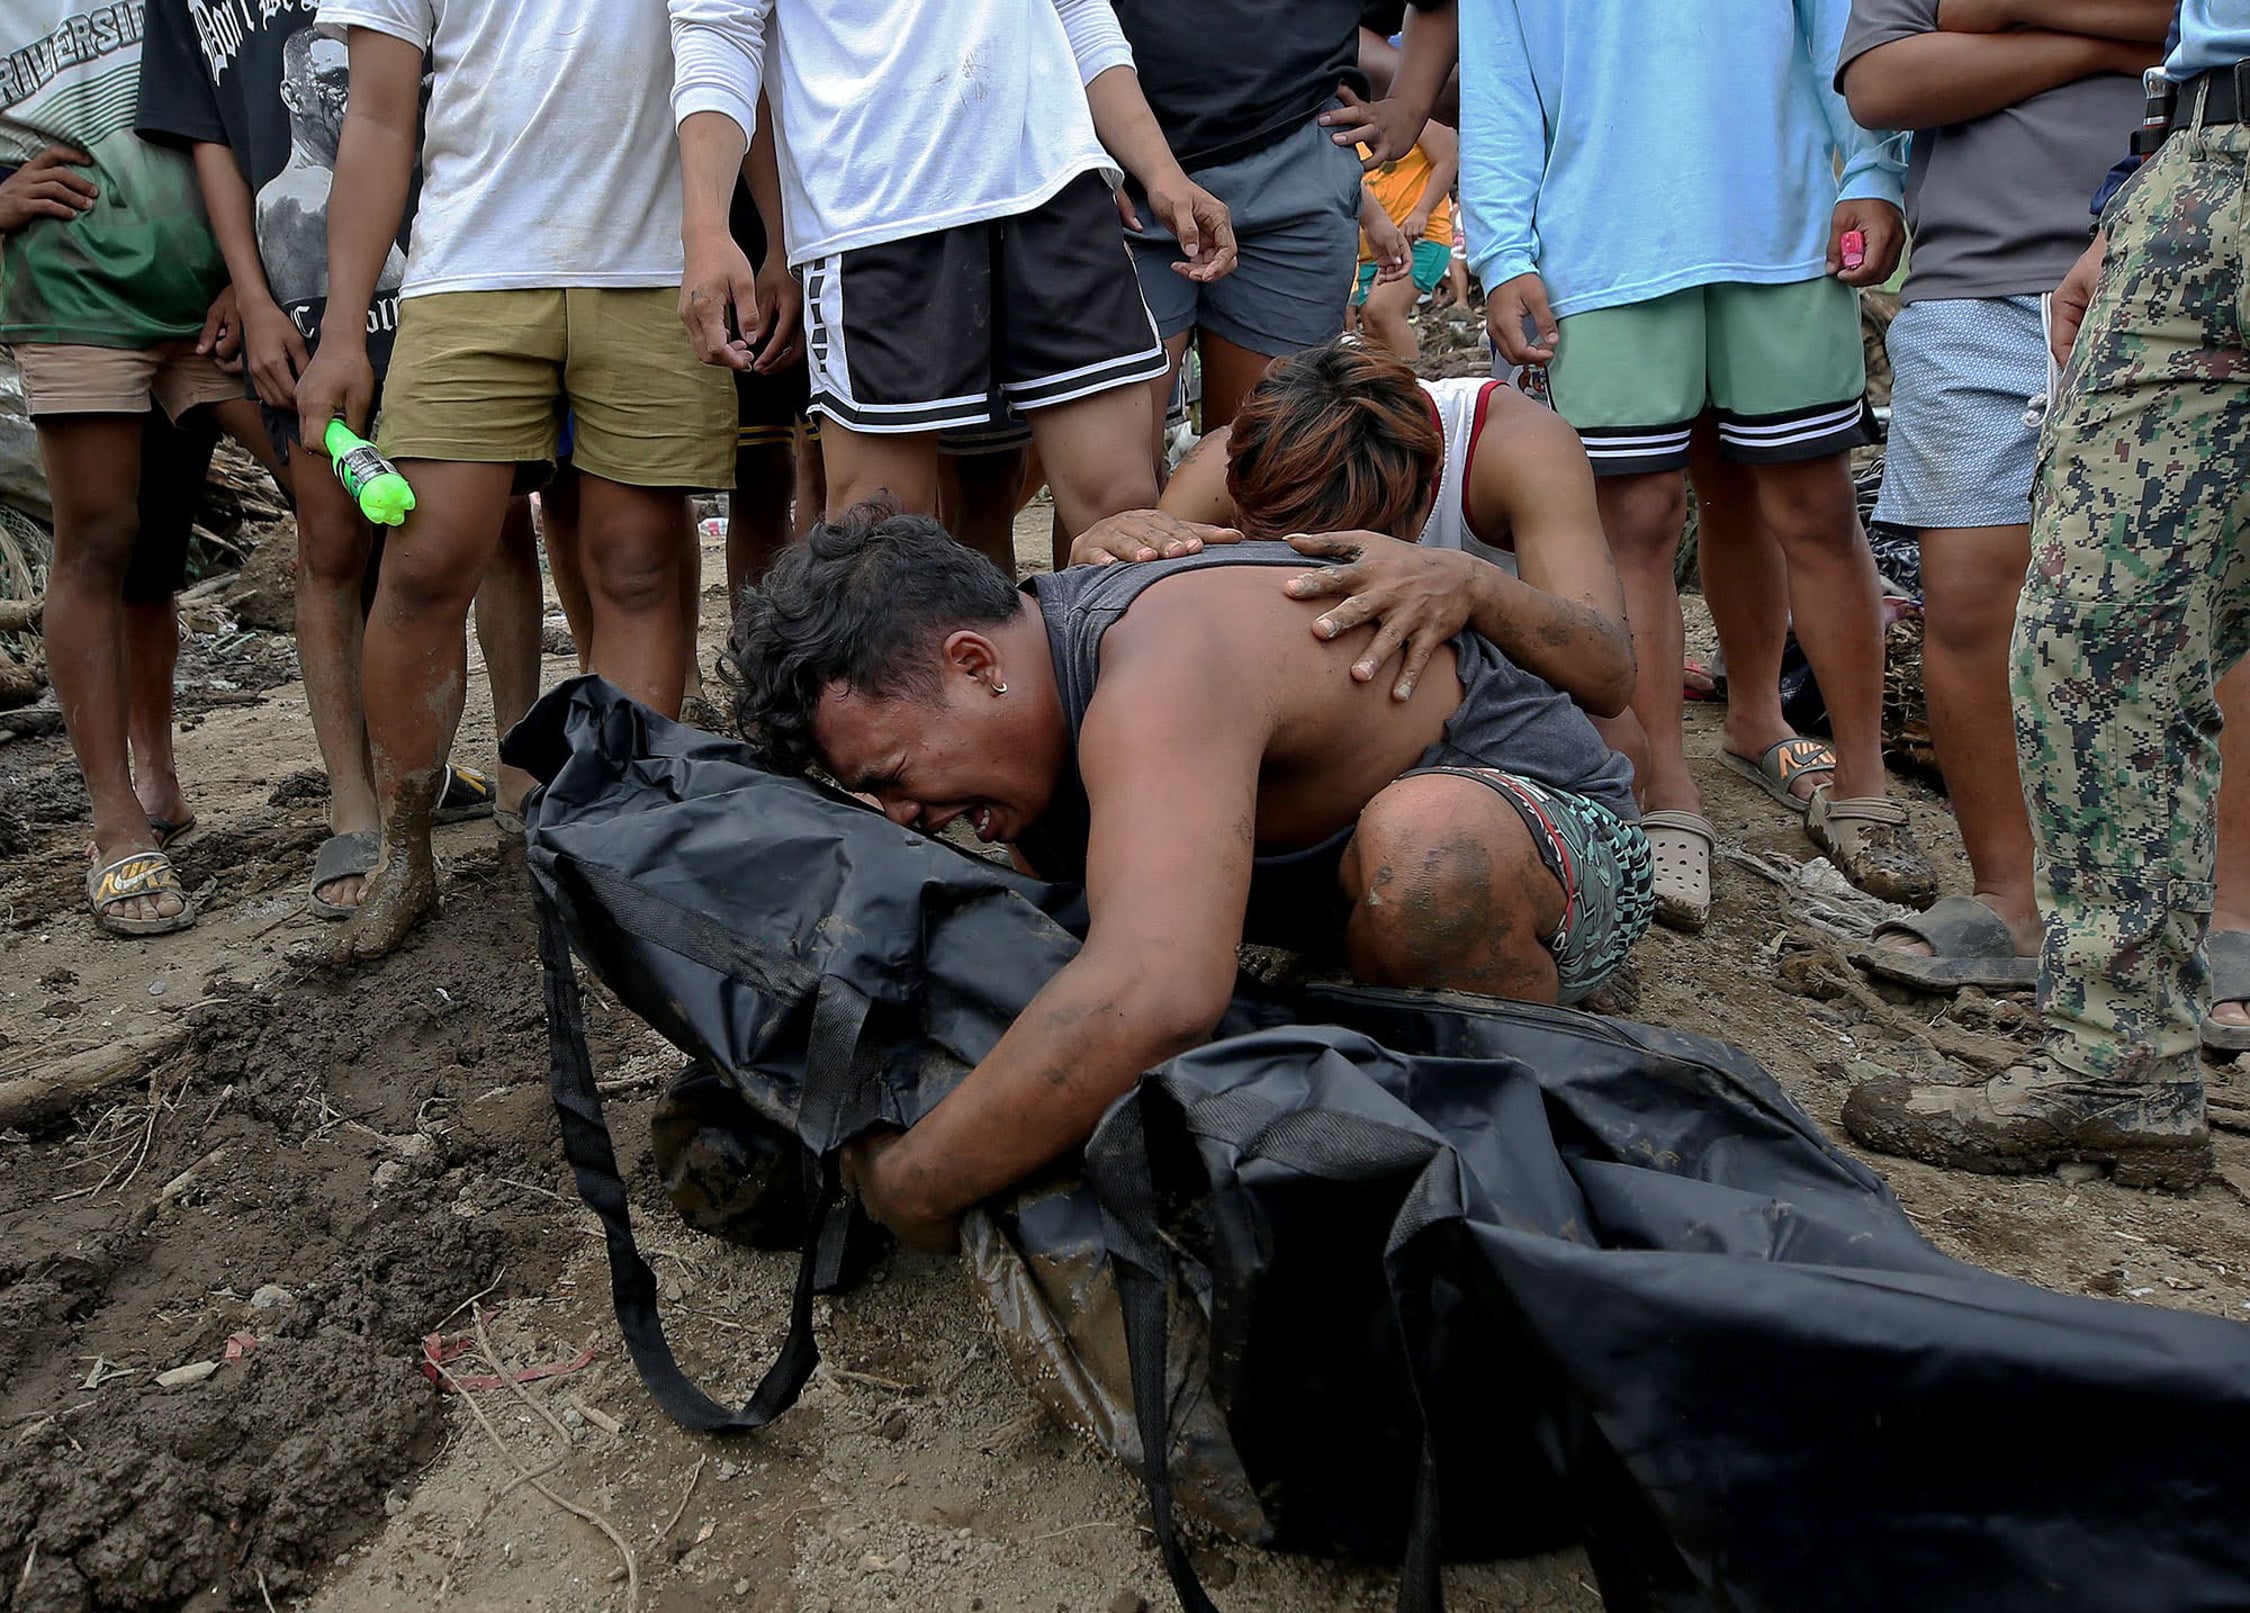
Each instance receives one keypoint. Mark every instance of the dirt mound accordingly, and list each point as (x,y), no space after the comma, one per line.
(303,1185)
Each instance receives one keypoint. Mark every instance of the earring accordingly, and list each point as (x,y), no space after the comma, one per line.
(999,689)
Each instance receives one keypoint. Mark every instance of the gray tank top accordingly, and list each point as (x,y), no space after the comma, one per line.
(1508,718)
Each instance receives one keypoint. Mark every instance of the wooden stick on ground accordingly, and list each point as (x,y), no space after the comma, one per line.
(52,1091)
(21,615)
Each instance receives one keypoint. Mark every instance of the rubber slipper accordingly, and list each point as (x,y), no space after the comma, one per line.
(166,831)
(1781,764)
(1697,681)
(134,875)
(1969,946)
(468,794)
(1871,841)
(340,857)
(2226,959)
(1679,846)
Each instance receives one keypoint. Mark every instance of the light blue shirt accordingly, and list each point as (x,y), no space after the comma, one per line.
(1627,149)
(2213,33)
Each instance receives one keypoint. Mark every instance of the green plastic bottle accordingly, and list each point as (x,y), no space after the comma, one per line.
(384,495)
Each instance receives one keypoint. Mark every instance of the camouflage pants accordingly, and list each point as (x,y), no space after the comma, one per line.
(2137,600)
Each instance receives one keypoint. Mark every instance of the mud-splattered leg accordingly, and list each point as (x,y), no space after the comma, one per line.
(1449,893)
(414,673)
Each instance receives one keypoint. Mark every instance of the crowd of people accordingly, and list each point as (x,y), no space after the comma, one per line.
(1387,669)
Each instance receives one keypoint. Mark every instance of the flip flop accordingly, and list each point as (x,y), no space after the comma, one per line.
(340,857)
(137,874)
(1697,681)
(2226,958)
(468,794)
(166,832)
(1969,946)
(1783,763)
(1679,846)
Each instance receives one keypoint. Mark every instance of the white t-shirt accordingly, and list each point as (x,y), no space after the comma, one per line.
(548,157)
(903,117)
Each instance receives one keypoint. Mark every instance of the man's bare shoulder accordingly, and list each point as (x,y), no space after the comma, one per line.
(1216,616)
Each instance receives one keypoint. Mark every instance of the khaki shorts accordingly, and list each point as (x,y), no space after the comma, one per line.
(66,378)
(483,377)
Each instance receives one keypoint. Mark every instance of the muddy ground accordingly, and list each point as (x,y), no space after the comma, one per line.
(313,1175)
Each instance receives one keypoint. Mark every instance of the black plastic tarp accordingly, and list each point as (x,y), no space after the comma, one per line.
(1607,1279)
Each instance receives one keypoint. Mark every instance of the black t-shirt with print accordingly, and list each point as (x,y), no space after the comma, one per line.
(253,76)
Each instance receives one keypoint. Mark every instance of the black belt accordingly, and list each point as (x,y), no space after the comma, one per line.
(2218,96)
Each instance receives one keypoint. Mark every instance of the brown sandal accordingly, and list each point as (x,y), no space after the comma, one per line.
(1871,841)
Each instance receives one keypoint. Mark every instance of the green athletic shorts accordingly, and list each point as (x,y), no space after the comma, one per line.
(1780,366)
(1431,259)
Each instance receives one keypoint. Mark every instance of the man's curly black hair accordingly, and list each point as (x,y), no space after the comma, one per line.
(862,602)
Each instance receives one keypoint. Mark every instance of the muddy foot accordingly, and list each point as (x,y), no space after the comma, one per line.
(399,896)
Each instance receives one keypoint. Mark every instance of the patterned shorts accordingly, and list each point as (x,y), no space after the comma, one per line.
(1961,452)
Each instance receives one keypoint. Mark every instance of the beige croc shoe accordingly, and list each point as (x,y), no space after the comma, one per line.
(1871,842)
(1679,845)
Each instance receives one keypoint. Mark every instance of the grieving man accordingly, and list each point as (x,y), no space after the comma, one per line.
(1175,736)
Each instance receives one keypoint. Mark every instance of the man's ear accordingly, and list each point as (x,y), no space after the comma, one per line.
(969,654)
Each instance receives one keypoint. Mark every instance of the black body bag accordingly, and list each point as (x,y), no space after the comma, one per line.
(1393,1275)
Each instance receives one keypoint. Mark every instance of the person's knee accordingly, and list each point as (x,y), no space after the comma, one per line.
(1437,897)
(332,550)
(437,574)
(633,573)
(1809,507)
(96,548)
(1642,516)
(1969,593)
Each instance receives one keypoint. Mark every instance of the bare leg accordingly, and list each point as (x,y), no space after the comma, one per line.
(1383,318)
(2230,908)
(508,611)
(1642,516)
(1092,464)
(1836,603)
(691,600)
(861,464)
(558,516)
(1448,894)
(1970,579)
(152,651)
(1160,392)
(977,502)
(414,673)
(1229,372)
(94,475)
(812,485)
(632,558)
(1746,587)
(333,544)
(758,526)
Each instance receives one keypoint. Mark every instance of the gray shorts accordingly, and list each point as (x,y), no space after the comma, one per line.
(1295,207)
(1961,453)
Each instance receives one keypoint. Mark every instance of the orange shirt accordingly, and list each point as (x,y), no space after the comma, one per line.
(1398,186)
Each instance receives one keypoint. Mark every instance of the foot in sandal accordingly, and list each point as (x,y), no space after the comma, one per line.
(1871,841)
(1789,770)
(1679,846)
(1962,941)
(2226,959)
(138,893)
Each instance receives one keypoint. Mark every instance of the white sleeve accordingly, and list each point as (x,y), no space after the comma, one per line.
(718,52)
(1096,40)
(414,21)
